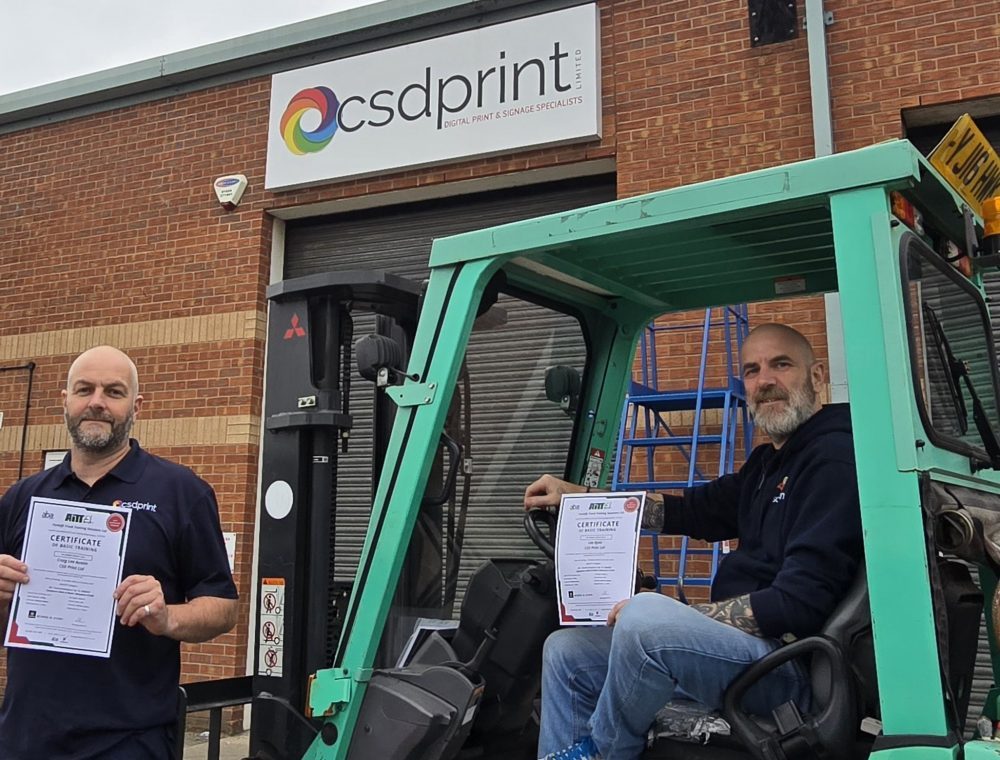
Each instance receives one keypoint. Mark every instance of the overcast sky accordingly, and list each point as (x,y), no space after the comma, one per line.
(50,40)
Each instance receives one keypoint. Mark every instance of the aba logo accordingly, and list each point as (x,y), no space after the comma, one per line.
(299,140)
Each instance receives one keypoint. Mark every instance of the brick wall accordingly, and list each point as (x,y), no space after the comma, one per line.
(111,232)
(696,102)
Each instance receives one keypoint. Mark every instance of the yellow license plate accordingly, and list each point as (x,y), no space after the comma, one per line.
(968,162)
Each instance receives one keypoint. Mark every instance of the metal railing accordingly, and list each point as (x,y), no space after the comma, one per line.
(213,696)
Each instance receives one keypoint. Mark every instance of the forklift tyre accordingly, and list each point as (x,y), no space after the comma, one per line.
(297,730)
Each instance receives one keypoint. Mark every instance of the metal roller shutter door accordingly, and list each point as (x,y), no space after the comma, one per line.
(398,240)
(983,679)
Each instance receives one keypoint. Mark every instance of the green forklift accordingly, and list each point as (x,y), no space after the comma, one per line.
(905,249)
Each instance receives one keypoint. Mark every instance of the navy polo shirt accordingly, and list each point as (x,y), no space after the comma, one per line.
(75,707)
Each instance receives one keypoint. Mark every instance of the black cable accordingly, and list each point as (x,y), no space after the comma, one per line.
(456,534)
(346,353)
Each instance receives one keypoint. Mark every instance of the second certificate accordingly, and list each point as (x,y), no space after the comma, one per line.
(597,541)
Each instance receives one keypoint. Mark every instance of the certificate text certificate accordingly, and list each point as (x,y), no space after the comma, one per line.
(597,543)
(74,553)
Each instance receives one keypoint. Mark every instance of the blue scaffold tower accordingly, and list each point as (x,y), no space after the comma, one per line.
(664,429)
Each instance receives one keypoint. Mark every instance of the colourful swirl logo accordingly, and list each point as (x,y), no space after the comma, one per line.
(297,139)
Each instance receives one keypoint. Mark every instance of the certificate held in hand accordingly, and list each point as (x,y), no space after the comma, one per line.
(597,544)
(75,554)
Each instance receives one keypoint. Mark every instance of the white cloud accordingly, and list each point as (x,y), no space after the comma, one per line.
(52,40)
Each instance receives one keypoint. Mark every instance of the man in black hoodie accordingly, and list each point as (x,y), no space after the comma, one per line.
(794,508)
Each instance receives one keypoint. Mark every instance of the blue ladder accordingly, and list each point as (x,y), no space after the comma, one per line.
(645,430)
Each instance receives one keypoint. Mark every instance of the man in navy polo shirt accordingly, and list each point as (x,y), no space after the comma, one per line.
(177,584)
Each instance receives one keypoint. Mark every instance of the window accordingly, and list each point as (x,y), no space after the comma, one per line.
(951,352)
(52,458)
(511,433)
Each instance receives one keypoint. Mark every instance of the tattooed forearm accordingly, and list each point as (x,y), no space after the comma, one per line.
(652,512)
(735,612)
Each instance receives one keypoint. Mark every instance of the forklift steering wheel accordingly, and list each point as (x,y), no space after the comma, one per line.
(546,544)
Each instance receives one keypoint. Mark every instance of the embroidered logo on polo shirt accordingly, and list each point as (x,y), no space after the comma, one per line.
(780,488)
(144,506)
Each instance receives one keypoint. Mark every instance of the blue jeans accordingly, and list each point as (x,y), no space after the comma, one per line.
(609,683)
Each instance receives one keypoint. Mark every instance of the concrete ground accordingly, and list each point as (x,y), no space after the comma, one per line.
(234,747)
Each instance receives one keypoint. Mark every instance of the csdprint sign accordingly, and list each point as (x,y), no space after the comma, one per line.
(452,95)
(521,84)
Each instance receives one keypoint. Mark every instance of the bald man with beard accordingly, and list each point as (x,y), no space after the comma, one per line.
(177,584)
(794,508)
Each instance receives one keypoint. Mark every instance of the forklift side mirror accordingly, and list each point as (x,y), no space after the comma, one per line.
(379,358)
(562,386)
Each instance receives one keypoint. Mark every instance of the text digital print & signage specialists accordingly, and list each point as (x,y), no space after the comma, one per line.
(520,84)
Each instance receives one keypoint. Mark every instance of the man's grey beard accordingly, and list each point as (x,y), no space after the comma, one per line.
(779,424)
(99,442)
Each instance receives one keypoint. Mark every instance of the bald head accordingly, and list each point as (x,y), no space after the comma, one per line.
(792,339)
(105,359)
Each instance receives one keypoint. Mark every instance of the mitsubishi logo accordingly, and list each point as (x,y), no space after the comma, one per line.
(296,330)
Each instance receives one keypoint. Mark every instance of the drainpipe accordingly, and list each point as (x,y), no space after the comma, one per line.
(819,87)
(30,368)
(819,77)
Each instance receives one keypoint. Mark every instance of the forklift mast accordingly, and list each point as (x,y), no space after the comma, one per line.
(308,421)
(823,225)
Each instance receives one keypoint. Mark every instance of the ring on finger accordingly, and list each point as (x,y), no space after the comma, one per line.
(147,610)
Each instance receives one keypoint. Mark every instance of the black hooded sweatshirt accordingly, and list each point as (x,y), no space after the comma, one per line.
(796,513)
